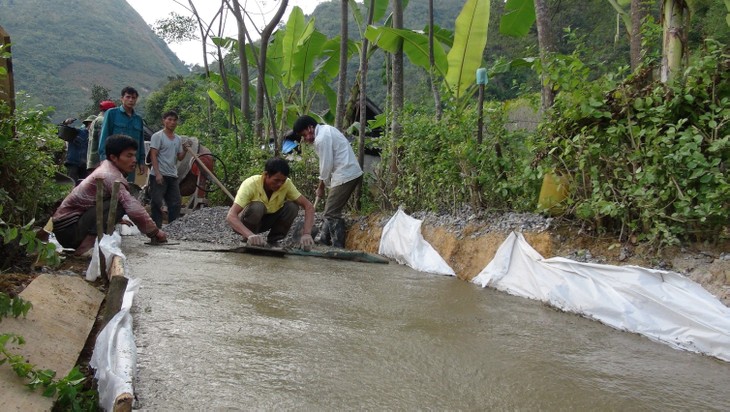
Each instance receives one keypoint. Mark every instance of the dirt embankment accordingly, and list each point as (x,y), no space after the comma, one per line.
(469,247)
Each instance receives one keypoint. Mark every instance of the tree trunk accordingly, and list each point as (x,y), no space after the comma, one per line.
(342,81)
(675,25)
(260,85)
(363,102)
(244,76)
(547,46)
(434,86)
(397,93)
(638,12)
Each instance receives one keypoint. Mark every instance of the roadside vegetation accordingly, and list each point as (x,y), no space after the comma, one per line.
(642,145)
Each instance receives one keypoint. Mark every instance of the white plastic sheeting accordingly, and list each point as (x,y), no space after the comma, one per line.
(664,306)
(115,353)
(127,229)
(110,246)
(402,240)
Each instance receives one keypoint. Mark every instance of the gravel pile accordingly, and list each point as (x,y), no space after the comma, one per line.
(209,224)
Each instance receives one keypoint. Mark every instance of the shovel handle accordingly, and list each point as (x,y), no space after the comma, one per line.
(209,173)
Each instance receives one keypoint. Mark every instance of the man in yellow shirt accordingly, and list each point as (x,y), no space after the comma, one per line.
(270,201)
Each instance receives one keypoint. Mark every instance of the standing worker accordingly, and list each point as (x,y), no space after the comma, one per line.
(124,120)
(92,157)
(338,170)
(165,148)
(76,151)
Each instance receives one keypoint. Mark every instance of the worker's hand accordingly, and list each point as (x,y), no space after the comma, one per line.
(187,144)
(126,222)
(256,240)
(319,192)
(159,179)
(306,242)
(141,169)
(160,237)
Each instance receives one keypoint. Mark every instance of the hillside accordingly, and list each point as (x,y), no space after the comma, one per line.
(62,49)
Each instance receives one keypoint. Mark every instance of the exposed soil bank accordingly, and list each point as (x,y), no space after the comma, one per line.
(468,245)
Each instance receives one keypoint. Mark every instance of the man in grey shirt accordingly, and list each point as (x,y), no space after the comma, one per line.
(166,148)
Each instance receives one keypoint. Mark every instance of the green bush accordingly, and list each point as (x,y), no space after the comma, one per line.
(442,167)
(647,159)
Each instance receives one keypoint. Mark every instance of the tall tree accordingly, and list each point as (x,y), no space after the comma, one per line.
(675,25)
(243,59)
(432,64)
(363,99)
(638,13)
(397,85)
(546,43)
(260,85)
(342,81)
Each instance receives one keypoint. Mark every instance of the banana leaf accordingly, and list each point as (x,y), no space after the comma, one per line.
(470,38)
(415,46)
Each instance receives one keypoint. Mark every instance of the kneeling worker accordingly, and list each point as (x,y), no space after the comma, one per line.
(269,202)
(74,222)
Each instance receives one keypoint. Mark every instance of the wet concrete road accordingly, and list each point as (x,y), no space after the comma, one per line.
(220,331)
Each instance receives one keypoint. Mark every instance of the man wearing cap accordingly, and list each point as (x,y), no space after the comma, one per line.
(92,156)
(76,152)
(338,170)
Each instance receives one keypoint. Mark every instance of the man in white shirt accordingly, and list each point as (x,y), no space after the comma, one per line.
(338,170)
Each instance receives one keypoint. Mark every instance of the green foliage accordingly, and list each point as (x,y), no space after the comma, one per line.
(69,390)
(14,307)
(27,159)
(644,158)
(441,167)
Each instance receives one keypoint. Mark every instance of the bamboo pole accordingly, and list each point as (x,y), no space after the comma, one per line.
(100,223)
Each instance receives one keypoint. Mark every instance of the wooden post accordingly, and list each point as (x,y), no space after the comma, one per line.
(111,220)
(482,80)
(100,222)
(480,110)
(7,85)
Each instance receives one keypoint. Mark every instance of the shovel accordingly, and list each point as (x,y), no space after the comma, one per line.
(210,174)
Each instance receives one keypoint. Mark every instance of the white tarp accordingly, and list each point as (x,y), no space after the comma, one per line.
(110,246)
(664,306)
(127,229)
(402,241)
(115,353)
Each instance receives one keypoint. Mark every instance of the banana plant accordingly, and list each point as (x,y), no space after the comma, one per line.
(300,64)
(458,67)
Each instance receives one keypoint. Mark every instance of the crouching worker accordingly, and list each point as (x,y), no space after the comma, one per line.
(74,222)
(270,201)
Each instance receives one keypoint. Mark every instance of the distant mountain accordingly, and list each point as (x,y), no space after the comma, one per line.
(61,49)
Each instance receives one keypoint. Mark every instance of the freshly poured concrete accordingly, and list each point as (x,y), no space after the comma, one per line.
(222,331)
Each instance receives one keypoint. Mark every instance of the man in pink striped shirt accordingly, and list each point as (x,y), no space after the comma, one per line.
(74,222)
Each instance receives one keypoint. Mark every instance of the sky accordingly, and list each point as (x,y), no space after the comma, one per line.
(192,52)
